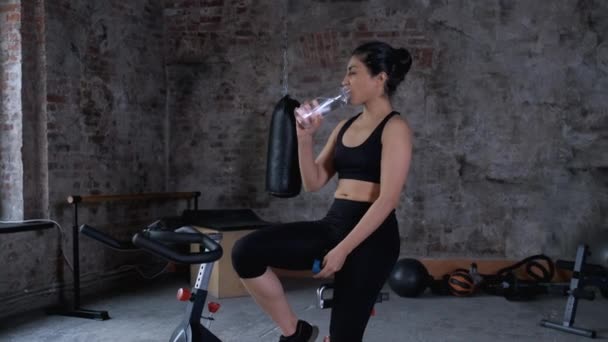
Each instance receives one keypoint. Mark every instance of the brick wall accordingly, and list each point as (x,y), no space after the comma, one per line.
(506,99)
(93,122)
(223,87)
(106,115)
(501,98)
(35,142)
(223,77)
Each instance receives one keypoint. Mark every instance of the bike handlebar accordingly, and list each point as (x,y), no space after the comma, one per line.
(156,243)
(105,238)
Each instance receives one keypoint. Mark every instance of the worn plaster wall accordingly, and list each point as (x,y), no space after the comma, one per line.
(11,167)
(506,99)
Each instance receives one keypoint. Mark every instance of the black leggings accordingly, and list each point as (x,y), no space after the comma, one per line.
(295,245)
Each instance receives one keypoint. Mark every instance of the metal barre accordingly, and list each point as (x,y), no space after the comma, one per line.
(132,197)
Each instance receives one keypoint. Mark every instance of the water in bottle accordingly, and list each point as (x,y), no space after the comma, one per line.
(325,105)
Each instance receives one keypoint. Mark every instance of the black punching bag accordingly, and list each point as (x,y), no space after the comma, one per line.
(282,169)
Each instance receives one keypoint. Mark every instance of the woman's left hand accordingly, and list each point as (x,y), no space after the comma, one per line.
(332,262)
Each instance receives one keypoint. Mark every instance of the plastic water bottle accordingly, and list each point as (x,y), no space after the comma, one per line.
(325,105)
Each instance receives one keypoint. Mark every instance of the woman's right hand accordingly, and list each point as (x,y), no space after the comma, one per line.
(307,126)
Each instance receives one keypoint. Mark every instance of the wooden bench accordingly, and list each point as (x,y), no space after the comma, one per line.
(232,224)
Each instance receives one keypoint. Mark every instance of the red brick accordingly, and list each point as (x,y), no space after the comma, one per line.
(212,3)
(14,46)
(386,34)
(244,33)
(311,79)
(52,98)
(319,40)
(209,27)
(13,18)
(185,3)
(211,19)
(415,34)
(410,24)
(364,34)
(9,8)
(418,42)
(423,57)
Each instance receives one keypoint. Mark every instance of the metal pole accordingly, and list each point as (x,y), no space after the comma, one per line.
(75,258)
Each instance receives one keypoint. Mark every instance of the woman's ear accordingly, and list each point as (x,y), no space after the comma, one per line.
(382,76)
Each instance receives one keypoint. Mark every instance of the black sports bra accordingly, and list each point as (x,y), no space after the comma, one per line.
(361,162)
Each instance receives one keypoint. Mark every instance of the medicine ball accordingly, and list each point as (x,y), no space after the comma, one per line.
(409,278)
(461,283)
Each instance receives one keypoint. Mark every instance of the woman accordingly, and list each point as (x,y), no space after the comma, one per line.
(358,239)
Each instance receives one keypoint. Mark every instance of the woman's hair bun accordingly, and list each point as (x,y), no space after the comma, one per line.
(403,62)
(381,57)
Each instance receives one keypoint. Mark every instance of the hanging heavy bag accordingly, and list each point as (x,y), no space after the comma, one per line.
(282,168)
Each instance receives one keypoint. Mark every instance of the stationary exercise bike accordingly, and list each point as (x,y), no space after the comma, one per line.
(167,244)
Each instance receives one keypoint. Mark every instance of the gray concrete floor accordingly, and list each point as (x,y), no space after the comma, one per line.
(150,314)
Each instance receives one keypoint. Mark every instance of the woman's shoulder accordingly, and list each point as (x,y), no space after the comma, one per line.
(397,125)
(397,119)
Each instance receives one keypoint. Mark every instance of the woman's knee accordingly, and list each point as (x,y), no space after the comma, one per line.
(245,261)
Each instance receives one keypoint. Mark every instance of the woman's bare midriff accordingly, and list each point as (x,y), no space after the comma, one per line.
(356,190)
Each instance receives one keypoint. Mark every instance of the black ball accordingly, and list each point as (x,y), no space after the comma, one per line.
(409,278)
(598,246)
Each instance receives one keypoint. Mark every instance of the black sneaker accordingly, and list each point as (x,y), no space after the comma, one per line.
(304,333)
